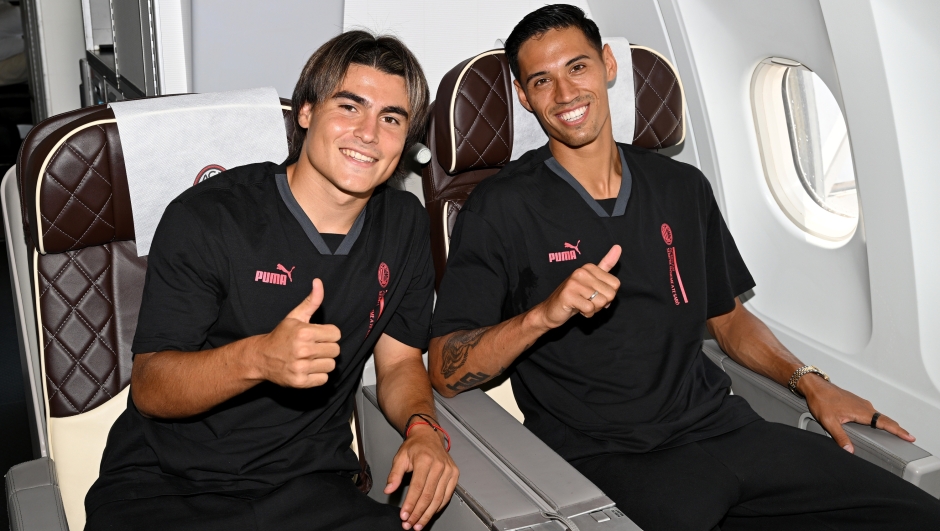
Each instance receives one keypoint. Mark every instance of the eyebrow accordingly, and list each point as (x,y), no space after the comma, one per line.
(394,109)
(543,72)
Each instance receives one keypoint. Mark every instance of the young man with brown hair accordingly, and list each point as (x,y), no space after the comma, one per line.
(268,287)
(592,269)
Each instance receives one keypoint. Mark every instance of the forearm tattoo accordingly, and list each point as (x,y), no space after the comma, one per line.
(457,348)
(471,380)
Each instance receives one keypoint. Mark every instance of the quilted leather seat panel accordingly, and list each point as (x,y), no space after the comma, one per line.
(88,304)
(76,208)
(659,112)
(481,88)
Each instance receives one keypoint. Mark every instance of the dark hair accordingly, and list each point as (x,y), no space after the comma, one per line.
(326,68)
(536,23)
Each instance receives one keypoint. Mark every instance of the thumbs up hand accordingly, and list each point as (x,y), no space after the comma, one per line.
(297,353)
(588,290)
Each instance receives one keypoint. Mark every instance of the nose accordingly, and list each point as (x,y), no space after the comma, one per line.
(367,128)
(565,90)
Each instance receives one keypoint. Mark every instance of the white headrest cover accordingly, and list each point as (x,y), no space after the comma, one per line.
(172,143)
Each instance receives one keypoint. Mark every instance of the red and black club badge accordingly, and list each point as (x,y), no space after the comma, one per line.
(209,171)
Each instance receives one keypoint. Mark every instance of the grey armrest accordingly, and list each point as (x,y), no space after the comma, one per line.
(777,404)
(33,499)
(499,484)
(538,466)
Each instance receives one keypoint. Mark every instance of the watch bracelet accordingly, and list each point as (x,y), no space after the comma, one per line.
(801,372)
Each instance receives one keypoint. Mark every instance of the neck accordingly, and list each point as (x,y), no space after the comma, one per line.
(331,210)
(595,165)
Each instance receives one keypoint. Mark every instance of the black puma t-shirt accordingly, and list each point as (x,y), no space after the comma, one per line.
(633,378)
(230,259)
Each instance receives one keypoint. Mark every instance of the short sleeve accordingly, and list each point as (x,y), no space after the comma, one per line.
(412,318)
(182,291)
(476,282)
(727,275)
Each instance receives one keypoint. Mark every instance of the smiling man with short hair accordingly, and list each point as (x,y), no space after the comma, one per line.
(591,270)
(268,286)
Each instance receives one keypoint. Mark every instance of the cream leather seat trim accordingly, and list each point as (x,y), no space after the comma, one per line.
(78,443)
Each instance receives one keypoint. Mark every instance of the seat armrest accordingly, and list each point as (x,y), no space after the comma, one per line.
(33,499)
(526,455)
(489,491)
(776,403)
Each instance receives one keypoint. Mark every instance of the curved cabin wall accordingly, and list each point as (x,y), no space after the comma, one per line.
(909,42)
(861,309)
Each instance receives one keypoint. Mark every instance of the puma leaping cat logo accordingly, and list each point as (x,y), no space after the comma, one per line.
(575,246)
(284,269)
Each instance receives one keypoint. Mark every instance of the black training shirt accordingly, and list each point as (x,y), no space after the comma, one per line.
(230,259)
(633,378)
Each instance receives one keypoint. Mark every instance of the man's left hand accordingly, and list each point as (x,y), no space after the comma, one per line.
(833,406)
(433,479)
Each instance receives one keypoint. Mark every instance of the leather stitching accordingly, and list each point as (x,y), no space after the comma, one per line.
(94,282)
(650,122)
(78,359)
(480,114)
(90,168)
(72,193)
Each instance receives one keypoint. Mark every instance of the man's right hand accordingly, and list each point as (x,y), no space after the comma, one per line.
(297,353)
(574,295)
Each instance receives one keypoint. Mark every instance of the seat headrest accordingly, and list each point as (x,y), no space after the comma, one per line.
(73,182)
(473,113)
(474,110)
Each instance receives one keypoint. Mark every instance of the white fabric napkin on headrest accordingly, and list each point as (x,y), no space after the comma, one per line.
(172,143)
(528,134)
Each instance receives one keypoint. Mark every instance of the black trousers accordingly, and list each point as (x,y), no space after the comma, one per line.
(322,501)
(764,476)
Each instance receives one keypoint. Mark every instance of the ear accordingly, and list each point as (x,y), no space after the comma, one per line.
(522,97)
(303,117)
(610,63)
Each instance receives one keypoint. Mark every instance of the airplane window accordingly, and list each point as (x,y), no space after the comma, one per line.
(805,149)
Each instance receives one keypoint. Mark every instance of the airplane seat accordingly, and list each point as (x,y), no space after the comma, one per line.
(77,283)
(471,136)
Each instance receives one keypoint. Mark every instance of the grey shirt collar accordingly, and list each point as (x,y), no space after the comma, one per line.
(626,184)
(315,238)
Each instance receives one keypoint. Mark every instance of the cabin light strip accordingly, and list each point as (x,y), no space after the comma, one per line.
(45,164)
(453,102)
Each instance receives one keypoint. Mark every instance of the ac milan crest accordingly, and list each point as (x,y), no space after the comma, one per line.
(209,171)
(383,274)
(667,233)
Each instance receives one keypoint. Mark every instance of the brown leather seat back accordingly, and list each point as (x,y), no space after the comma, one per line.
(470,133)
(86,275)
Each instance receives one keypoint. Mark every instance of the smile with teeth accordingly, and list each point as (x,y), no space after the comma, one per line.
(574,114)
(356,155)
